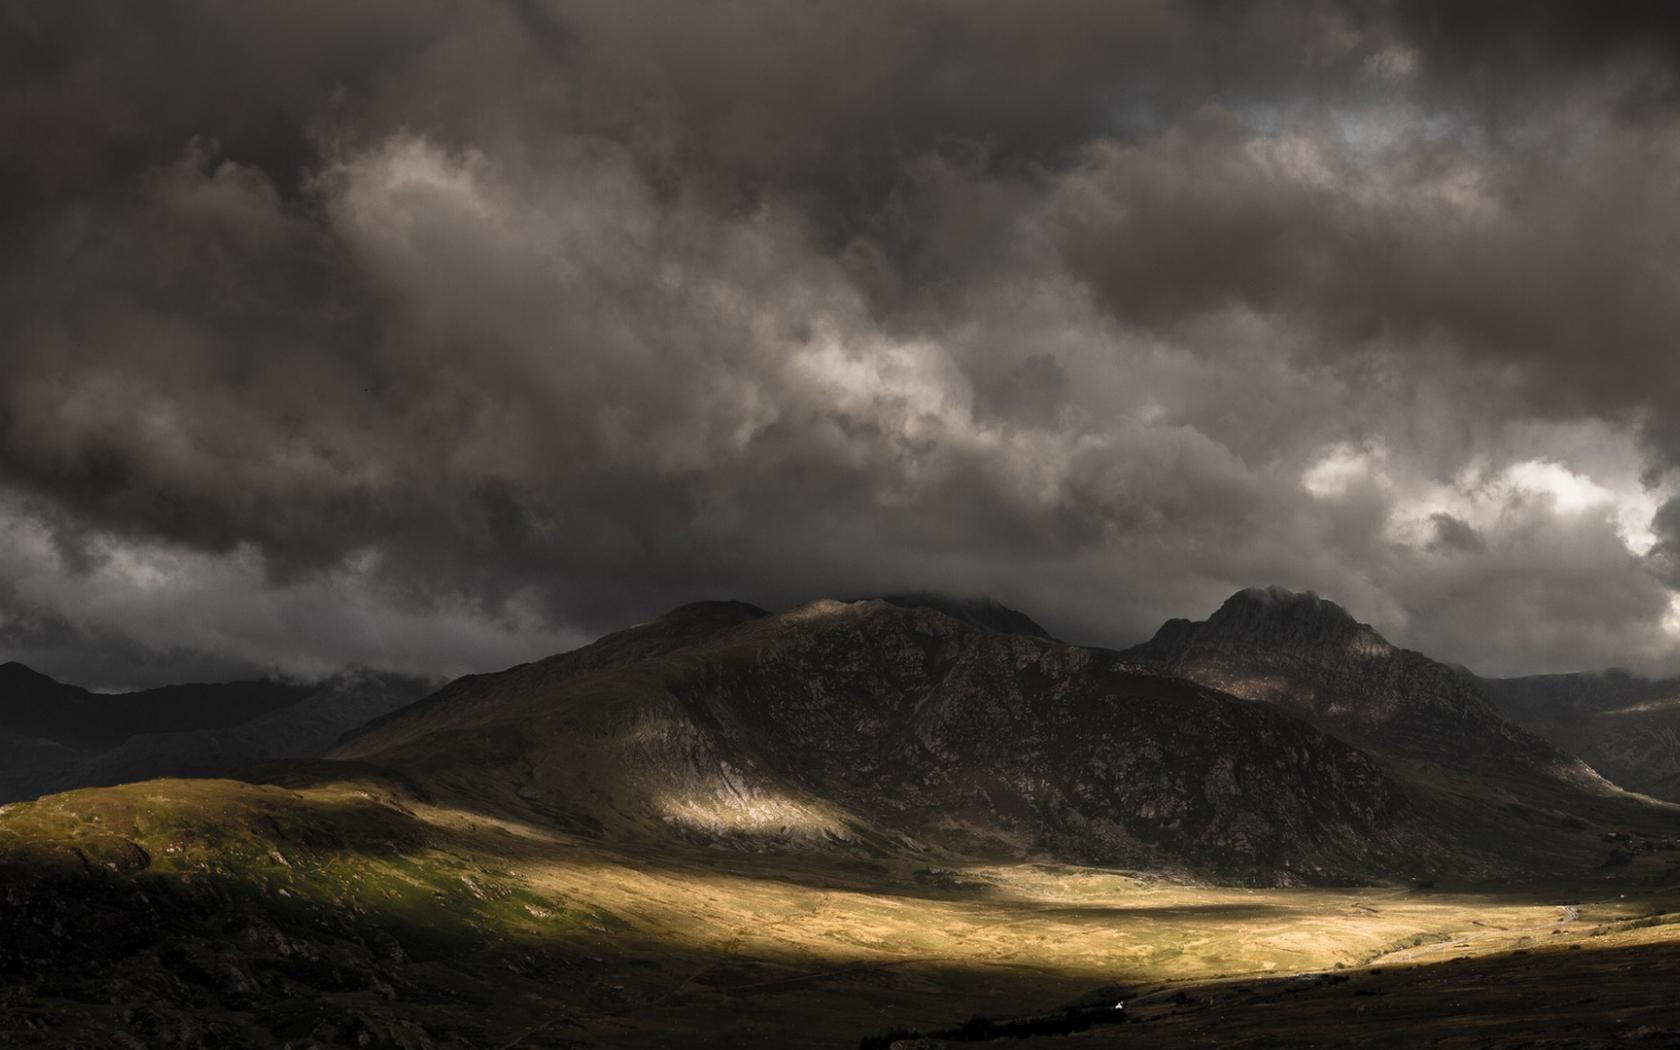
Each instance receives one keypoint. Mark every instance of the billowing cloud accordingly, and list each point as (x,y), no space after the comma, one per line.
(438,337)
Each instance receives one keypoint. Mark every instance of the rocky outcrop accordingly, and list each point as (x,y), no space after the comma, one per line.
(985,613)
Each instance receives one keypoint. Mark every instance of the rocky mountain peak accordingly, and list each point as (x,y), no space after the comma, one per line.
(711,614)
(1295,624)
(1307,653)
(1277,615)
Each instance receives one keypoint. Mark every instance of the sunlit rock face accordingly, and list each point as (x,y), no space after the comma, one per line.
(1306,653)
(857,727)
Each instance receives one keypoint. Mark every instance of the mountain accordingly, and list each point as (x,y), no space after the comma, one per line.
(870,725)
(306,729)
(1475,775)
(32,705)
(30,765)
(1626,727)
(57,737)
(982,612)
(1308,654)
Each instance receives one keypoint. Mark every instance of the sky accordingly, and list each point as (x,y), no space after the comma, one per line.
(438,336)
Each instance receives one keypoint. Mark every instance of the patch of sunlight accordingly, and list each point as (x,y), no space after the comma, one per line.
(1646,707)
(729,807)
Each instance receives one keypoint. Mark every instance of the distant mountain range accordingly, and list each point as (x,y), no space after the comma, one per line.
(35,706)
(1296,650)
(54,736)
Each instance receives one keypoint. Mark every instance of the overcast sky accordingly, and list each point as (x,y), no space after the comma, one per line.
(437,336)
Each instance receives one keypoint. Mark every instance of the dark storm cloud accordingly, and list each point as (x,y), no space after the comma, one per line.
(1536,38)
(497,323)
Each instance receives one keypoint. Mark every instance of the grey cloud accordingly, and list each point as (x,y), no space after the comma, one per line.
(1665,555)
(1455,534)
(537,318)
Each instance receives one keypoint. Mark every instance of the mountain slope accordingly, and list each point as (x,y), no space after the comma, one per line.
(36,706)
(1626,727)
(29,765)
(303,730)
(221,728)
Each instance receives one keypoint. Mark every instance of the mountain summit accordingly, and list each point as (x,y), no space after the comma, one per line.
(1290,618)
(1271,618)
(983,612)
(1307,653)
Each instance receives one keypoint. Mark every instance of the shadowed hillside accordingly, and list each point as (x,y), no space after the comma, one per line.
(55,737)
(1626,727)
(33,705)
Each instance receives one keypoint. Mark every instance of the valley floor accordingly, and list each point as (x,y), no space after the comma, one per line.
(344,914)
